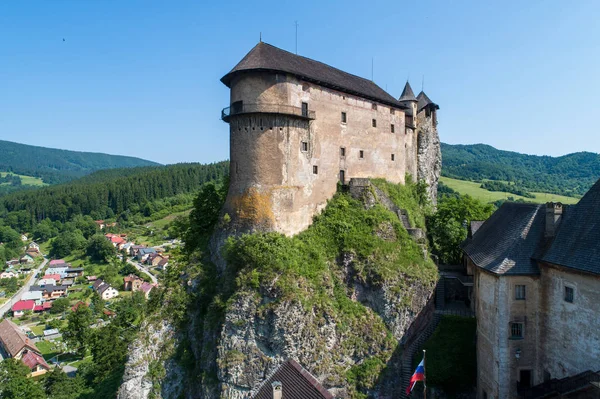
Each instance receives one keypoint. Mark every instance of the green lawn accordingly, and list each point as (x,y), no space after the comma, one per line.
(451,362)
(26,180)
(38,329)
(474,190)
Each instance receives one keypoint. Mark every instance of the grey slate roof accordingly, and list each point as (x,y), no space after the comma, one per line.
(297,383)
(475,225)
(265,57)
(407,93)
(577,242)
(509,240)
(424,101)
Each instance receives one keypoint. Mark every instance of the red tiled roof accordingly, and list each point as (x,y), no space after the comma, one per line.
(57,262)
(32,359)
(13,339)
(146,287)
(52,276)
(23,305)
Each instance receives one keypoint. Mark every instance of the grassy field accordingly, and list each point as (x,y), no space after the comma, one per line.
(26,180)
(474,190)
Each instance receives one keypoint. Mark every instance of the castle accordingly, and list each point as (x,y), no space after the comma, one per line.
(536,276)
(299,127)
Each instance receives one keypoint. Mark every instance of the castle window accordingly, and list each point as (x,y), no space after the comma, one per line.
(305,109)
(315,169)
(342,152)
(343,117)
(304,146)
(520,292)
(374,122)
(392,111)
(569,294)
(361,154)
(516,330)
(393,157)
(374,106)
(392,128)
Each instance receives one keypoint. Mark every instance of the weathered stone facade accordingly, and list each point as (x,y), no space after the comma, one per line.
(537,320)
(292,140)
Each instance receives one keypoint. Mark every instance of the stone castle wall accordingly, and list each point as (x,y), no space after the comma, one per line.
(273,181)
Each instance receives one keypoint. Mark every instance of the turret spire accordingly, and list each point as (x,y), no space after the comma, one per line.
(407,93)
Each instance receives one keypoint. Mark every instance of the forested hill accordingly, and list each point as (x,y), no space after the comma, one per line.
(571,174)
(114,194)
(59,166)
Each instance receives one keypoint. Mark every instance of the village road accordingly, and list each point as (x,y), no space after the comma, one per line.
(17,296)
(143,270)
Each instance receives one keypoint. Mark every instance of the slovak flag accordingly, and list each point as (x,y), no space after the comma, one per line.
(419,375)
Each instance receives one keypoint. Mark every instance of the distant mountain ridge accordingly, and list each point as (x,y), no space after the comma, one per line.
(58,166)
(571,174)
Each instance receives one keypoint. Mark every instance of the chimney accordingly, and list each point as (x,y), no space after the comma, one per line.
(277,389)
(554,212)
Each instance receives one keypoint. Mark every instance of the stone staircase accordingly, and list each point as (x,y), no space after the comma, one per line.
(403,216)
(440,294)
(410,351)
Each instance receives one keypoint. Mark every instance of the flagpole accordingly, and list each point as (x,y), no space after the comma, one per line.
(424,376)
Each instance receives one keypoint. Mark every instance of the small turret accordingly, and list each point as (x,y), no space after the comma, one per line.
(424,103)
(408,99)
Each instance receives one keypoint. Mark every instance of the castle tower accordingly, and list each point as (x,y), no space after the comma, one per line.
(298,127)
(408,99)
(429,151)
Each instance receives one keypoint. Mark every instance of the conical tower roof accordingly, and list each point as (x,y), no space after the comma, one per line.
(425,101)
(407,93)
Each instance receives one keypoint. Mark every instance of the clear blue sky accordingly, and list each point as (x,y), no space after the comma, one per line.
(142,77)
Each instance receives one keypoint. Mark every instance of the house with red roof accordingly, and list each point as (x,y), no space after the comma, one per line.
(116,240)
(55,277)
(43,307)
(146,288)
(15,344)
(21,307)
(36,364)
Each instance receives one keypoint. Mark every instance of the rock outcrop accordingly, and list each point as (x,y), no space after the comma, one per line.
(429,155)
(342,313)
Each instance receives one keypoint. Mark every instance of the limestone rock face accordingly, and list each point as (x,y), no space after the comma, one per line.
(151,349)
(429,155)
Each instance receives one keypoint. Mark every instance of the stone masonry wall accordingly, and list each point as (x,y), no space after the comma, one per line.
(274,177)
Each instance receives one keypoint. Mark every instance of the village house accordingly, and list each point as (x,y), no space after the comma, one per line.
(536,295)
(33,245)
(162,265)
(43,307)
(32,296)
(146,288)
(26,259)
(20,307)
(154,259)
(100,224)
(46,281)
(15,344)
(57,263)
(134,249)
(132,283)
(144,253)
(9,274)
(12,262)
(34,253)
(104,290)
(72,272)
(116,240)
(50,292)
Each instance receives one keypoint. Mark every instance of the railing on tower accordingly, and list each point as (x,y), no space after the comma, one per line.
(238,109)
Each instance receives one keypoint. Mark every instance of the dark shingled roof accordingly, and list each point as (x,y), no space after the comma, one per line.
(577,243)
(265,57)
(407,93)
(509,239)
(297,383)
(424,101)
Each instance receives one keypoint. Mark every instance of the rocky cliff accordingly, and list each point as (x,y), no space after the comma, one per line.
(339,298)
(429,156)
